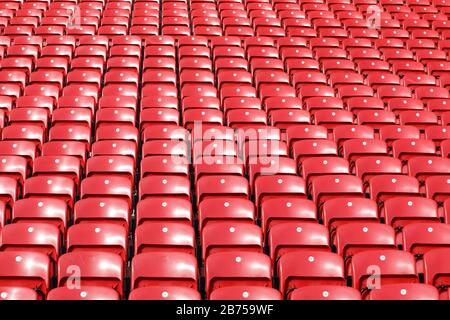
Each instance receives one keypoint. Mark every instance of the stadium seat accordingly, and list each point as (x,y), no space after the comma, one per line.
(325,292)
(233,268)
(245,293)
(164,237)
(15,271)
(171,268)
(92,237)
(303,269)
(296,236)
(435,270)
(164,293)
(404,291)
(83,293)
(390,266)
(17,293)
(93,268)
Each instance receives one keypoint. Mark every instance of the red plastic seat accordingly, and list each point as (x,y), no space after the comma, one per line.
(391,266)
(376,119)
(78,116)
(173,186)
(111,165)
(164,293)
(437,188)
(419,119)
(164,237)
(437,134)
(165,132)
(327,187)
(93,269)
(303,269)
(284,209)
(15,271)
(325,292)
(163,148)
(159,209)
(305,149)
(117,132)
(394,132)
(401,211)
(423,167)
(436,270)
(293,236)
(53,187)
(166,268)
(354,149)
(83,293)
(71,133)
(77,102)
(320,166)
(93,236)
(404,291)
(245,293)
(14,167)
(230,236)
(370,166)
(337,212)
(65,148)
(231,186)
(102,210)
(333,118)
(420,238)
(406,149)
(165,165)
(352,238)
(223,208)
(31,237)
(275,186)
(383,187)
(107,186)
(41,210)
(23,132)
(225,269)
(17,293)
(64,166)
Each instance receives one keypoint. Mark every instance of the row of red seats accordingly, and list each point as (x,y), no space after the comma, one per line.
(263,18)
(233,270)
